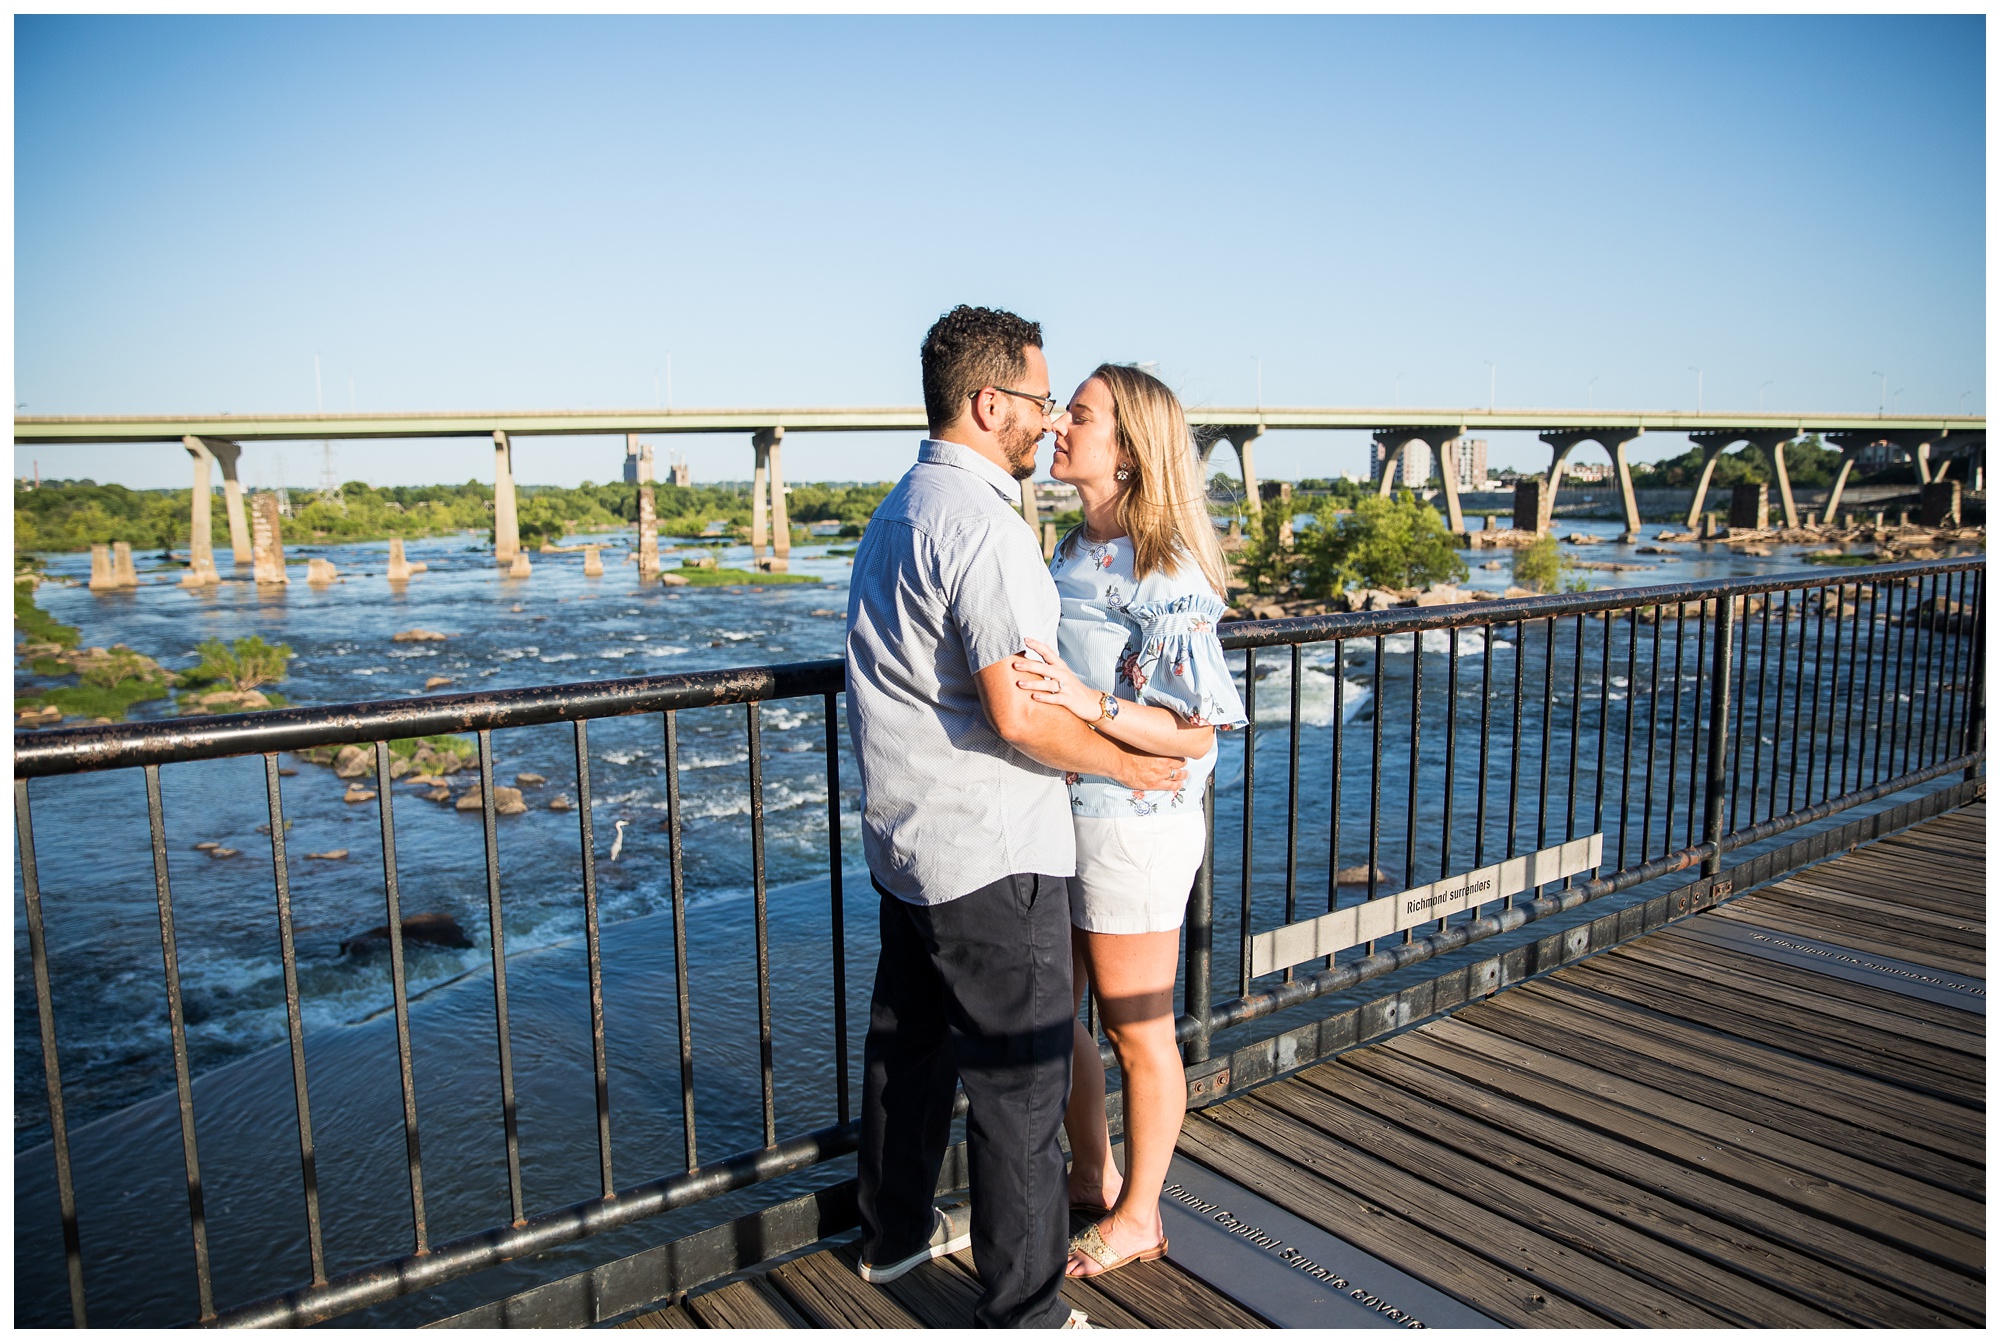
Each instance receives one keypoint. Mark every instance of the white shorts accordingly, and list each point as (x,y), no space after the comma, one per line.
(1133,873)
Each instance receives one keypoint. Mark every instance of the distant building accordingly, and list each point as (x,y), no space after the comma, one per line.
(1055,493)
(1470,459)
(1590,473)
(1414,470)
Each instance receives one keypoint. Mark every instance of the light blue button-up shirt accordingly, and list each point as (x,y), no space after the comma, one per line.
(948,579)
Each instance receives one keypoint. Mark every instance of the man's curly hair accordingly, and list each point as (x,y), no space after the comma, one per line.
(969,348)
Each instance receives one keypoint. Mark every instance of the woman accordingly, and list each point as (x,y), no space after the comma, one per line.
(1141,582)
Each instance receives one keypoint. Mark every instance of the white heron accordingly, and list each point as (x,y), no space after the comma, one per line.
(617,840)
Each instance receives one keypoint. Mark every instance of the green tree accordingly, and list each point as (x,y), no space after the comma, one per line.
(1400,542)
(1268,563)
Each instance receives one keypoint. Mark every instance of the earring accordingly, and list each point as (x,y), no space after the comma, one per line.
(1123,474)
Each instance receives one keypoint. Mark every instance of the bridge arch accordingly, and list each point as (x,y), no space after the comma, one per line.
(1562,442)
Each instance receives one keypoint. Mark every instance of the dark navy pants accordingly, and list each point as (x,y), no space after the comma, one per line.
(975,990)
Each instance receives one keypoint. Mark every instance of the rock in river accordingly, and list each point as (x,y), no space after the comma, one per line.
(432,930)
(418,636)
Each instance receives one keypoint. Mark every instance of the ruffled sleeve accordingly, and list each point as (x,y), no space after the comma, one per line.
(1179,664)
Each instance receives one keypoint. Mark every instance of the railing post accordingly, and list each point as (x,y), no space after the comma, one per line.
(1195,989)
(1717,798)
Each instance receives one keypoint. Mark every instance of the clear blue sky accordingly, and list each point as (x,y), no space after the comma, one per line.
(495,213)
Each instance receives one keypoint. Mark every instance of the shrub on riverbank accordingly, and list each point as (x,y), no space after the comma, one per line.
(1541,567)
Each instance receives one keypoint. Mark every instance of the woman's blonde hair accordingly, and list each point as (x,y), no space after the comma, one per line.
(1164,509)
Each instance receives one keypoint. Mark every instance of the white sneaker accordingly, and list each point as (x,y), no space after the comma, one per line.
(943,1241)
(1077,1320)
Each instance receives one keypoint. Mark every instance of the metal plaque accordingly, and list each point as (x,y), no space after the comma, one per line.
(1830,958)
(1289,1271)
(1313,938)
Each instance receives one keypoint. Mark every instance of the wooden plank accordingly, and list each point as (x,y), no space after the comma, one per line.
(1932,1065)
(1847,990)
(1687,959)
(1926,1202)
(1682,1075)
(1951,908)
(1888,878)
(744,1304)
(1167,1296)
(831,1295)
(1808,895)
(1867,1059)
(1102,1311)
(1740,1251)
(1876,1269)
(941,1294)
(1748,1092)
(1937,1123)
(1920,950)
(1783,1182)
(1734,1298)
(672,1317)
(1389,1236)
(1605,1288)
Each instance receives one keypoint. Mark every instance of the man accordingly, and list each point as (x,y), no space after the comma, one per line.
(967,832)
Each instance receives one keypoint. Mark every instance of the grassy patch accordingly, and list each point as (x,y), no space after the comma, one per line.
(1845,561)
(94,701)
(32,621)
(736,578)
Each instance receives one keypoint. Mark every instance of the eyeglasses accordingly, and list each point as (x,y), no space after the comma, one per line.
(1050,406)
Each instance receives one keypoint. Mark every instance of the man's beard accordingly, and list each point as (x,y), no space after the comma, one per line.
(1019,443)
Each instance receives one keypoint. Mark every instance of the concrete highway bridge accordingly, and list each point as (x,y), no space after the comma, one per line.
(213,440)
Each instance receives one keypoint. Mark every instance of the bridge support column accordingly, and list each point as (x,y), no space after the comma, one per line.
(760,471)
(1628,497)
(1839,483)
(226,454)
(201,551)
(506,514)
(781,518)
(1710,451)
(1244,437)
(768,519)
(1776,447)
(1922,452)
(640,460)
(269,564)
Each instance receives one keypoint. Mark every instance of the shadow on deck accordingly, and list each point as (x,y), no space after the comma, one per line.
(1772,1114)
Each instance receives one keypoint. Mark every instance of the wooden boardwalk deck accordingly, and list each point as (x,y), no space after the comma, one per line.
(1672,1133)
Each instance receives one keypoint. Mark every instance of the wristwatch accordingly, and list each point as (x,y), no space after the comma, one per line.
(1107,705)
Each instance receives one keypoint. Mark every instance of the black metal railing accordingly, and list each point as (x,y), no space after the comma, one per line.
(1639,715)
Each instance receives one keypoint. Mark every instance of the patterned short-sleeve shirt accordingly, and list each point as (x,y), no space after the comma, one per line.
(1151,640)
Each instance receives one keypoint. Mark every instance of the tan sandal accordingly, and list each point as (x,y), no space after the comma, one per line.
(1090,1244)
